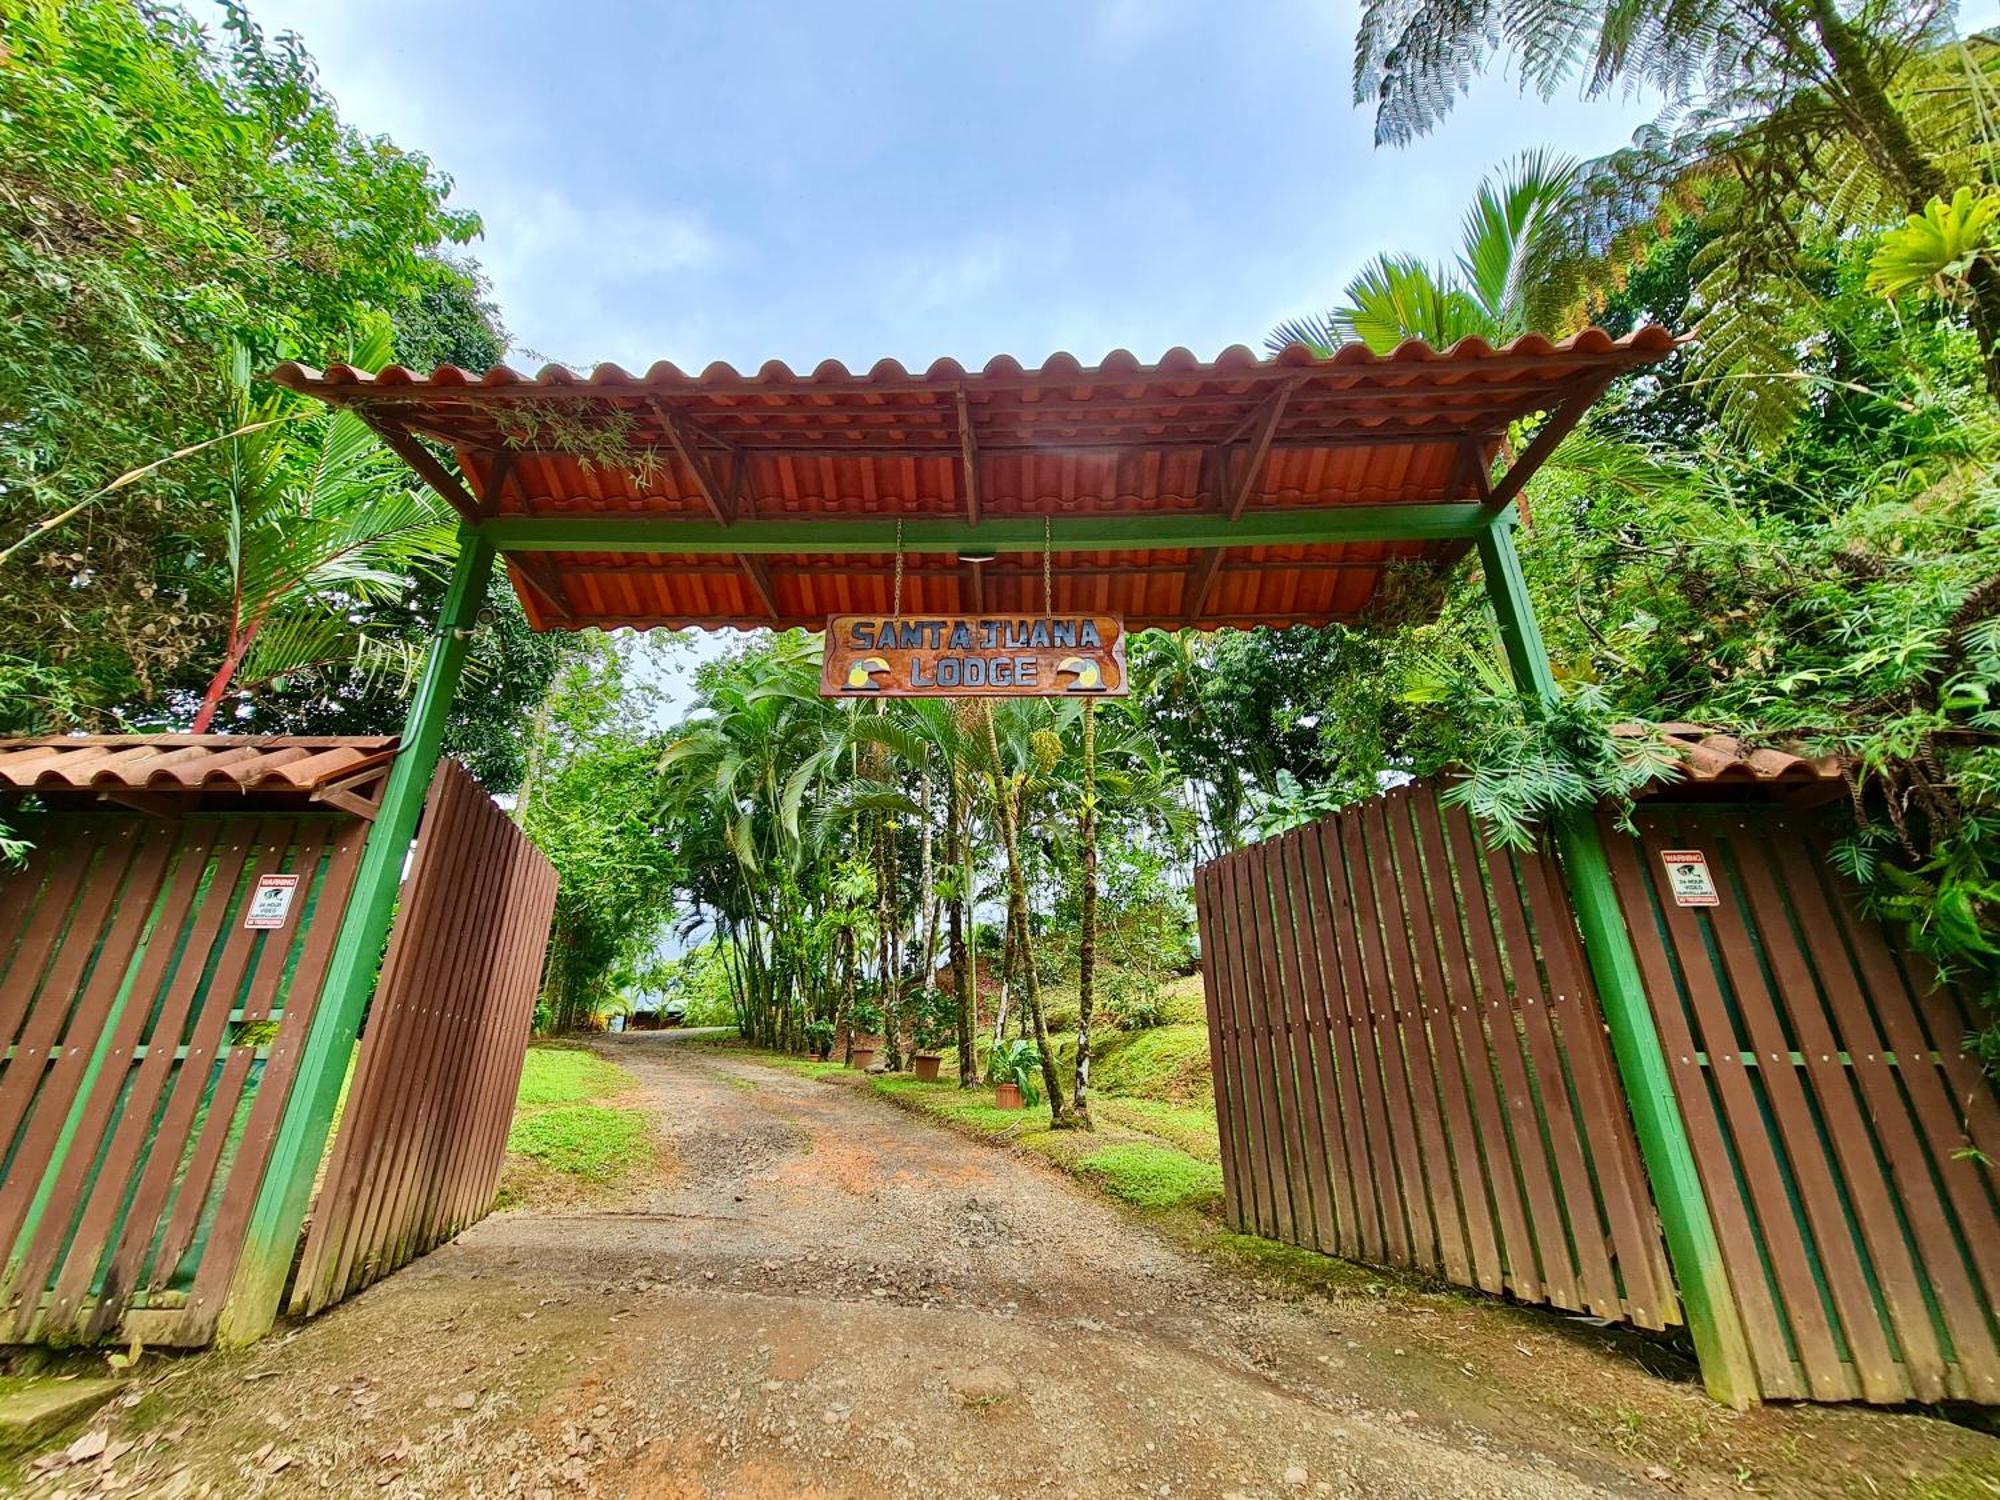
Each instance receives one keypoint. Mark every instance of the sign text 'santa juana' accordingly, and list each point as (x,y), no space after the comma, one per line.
(973,656)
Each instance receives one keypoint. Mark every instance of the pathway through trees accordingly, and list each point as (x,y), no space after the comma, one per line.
(822,1295)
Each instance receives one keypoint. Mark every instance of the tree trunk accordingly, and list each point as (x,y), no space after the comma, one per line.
(843,1024)
(1884,135)
(892,980)
(218,685)
(1086,955)
(1031,980)
(927,893)
(960,977)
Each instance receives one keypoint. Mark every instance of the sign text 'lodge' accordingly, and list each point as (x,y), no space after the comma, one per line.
(973,656)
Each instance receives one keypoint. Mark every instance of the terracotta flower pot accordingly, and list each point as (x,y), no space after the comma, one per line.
(1007,1096)
(862,1057)
(926,1064)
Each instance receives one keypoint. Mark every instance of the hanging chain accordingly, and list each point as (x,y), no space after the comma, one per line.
(1048,571)
(897,607)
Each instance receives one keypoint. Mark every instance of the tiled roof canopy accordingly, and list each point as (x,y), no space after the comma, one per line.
(1713,763)
(160,771)
(770,498)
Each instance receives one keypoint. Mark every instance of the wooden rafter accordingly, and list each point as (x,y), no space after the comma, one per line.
(1561,422)
(682,437)
(1266,431)
(1201,579)
(969,456)
(500,468)
(423,461)
(759,576)
(978,572)
(542,578)
(360,794)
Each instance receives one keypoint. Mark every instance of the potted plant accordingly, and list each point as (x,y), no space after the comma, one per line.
(819,1038)
(1012,1067)
(936,1025)
(862,1024)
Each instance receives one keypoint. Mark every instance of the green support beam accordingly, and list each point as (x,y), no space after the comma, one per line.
(259,1283)
(1299,527)
(1712,1317)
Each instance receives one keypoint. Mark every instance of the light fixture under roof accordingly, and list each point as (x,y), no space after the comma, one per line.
(977,557)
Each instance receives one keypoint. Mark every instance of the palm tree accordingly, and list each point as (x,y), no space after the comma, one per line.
(1783,119)
(320,520)
(1498,287)
(1086,939)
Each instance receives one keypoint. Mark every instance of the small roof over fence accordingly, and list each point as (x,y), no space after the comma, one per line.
(1241,492)
(173,773)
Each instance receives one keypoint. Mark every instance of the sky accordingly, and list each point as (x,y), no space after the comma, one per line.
(747,182)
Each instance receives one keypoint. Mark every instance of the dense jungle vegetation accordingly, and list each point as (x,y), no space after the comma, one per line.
(1790,531)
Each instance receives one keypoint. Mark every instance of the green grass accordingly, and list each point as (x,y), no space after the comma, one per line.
(556,1074)
(587,1141)
(1165,1062)
(1154,1176)
(563,1122)
(1190,1127)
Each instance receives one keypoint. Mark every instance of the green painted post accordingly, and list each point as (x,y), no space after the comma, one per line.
(1719,1340)
(252,1304)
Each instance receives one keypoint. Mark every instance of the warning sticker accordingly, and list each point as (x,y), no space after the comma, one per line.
(270,901)
(1688,878)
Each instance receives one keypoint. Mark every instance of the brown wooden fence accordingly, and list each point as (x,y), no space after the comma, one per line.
(1411,1067)
(418,1152)
(1834,1114)
(152,1035)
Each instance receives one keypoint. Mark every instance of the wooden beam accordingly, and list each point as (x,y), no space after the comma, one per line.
(153,804)
(494,479)
(719,504)
(1288,526)
(969,456)
(760,582)
(1201,578)
(1260,447)
(1583,394)
(424,462)
(541,577)
(978,587)
(348,796)
(838,568)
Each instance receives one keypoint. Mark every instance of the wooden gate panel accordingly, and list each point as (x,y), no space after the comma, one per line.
(148,1037)
(1417,1020)
(1825,1086)
(418,1151)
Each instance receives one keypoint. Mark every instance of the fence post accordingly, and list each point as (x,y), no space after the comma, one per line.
(1719,1340)
(259,1283)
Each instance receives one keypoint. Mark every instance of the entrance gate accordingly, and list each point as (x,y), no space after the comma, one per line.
(161,974)
(1411,1068)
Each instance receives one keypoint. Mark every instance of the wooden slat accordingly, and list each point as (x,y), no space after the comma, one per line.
(420,1147)
(1781,1234)
(1833,1087)
(73,1279)
(1381,1203)
(1409,1025)
(1255,1071)
(1735,1229)
(1267,1011)
(1812,1174)
(1226,1125)
(1584,1243)
(1228,973)
(1495,1215)
(1471,1255)
(1571,1009)
(1299,1024)
(1336,1085)
(1942,1157)
(1535,1262)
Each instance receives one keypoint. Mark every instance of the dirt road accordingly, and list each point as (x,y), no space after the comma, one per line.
(825,1296)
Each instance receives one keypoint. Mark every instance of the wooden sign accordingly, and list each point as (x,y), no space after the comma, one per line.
(973,656)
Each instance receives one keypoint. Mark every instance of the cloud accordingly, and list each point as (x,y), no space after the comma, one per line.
(571,275)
